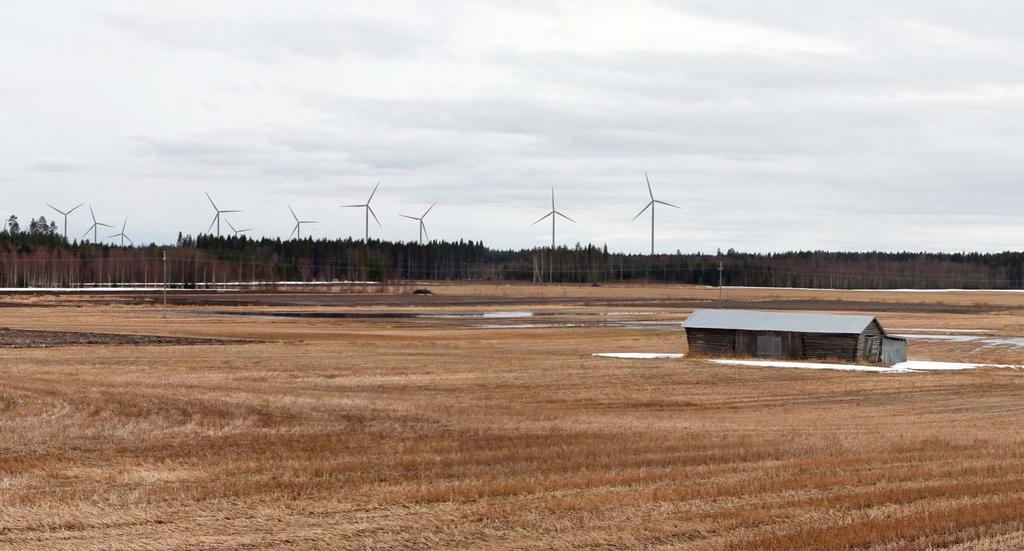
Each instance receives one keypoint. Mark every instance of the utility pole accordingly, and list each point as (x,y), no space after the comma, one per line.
(164,260)
(720,270)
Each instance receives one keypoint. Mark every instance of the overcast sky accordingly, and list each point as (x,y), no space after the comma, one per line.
(779,125)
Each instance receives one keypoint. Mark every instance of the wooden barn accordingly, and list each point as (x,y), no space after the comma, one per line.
(795,336)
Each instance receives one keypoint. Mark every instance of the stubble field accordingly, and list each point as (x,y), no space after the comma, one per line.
(364,427)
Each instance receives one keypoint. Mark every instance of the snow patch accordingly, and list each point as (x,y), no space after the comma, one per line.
(806,365)
(912,366)
(727,287)
(950,338)
(30,290)
(527,325)
(909,330)
(640,355)
(486,315)
(1010,342)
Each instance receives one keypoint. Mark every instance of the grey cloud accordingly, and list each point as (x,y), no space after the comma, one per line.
(267,39)
(911,128)
(55,164)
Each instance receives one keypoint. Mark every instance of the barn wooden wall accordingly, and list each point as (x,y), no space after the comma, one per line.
(872,330)
(711,342)
(728,342)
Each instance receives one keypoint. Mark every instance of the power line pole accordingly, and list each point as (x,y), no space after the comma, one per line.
(164,260)
(720,269)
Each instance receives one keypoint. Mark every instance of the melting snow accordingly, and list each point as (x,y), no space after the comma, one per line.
(640,355)
(727,287)
(951,338)
(909,330)
(806,365)
(1013,342)
(486,315)
(913,366)
(30,290)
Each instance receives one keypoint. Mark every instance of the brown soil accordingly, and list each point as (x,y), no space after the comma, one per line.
(21,338)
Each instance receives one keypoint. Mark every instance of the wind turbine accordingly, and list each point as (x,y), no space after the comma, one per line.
(237,232)
(65,216)
(297,230)
(553,214)
(650,205)
(423,227)
(122,234)
(368,212)
(216,217)
(95,226)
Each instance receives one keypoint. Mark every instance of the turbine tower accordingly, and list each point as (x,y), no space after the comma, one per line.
(122,234)
(297,230)
(553,214)
(216,217)
(423,227)
(369,211)
(95,226)
(237,231)
(65,213)
(650,205)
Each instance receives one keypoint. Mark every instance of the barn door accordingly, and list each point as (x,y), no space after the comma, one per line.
(769,346)
(873,348)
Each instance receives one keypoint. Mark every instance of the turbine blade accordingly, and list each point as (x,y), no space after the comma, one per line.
(293,213)
(227,211)
(295,229)
(56,209)
(552,197)
(76,208)
(228,222)
(668,204)
(374,216)
(129,240)
(424,227)
(649,191)
(372,193)
(428,211)
(245,230)
(208,230)
(101,224)
(539,220)
(642,211)
(93,214)
(125,225)
(409,217)
(210,199)
(566,217)
(351,206)
(88,230)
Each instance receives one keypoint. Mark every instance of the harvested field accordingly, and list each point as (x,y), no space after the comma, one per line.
(382,432)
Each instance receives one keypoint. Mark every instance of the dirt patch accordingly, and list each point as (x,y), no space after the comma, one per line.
(23,338)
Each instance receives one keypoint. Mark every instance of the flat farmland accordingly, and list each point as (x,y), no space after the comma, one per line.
(479,418)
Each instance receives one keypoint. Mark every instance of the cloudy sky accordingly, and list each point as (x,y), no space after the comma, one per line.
(779,125)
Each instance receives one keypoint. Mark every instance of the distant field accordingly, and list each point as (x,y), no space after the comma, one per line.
(376,428)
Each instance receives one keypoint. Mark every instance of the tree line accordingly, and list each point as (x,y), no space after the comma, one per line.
(37,255)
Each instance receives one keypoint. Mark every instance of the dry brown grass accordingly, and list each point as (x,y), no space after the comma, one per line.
(395,434)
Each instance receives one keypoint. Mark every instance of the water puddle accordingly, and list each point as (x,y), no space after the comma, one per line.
(498,319)
(984,341)
(369,315)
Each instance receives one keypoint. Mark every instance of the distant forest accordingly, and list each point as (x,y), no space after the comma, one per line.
(37,255)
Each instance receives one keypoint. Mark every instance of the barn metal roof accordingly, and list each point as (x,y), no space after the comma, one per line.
(747,320)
